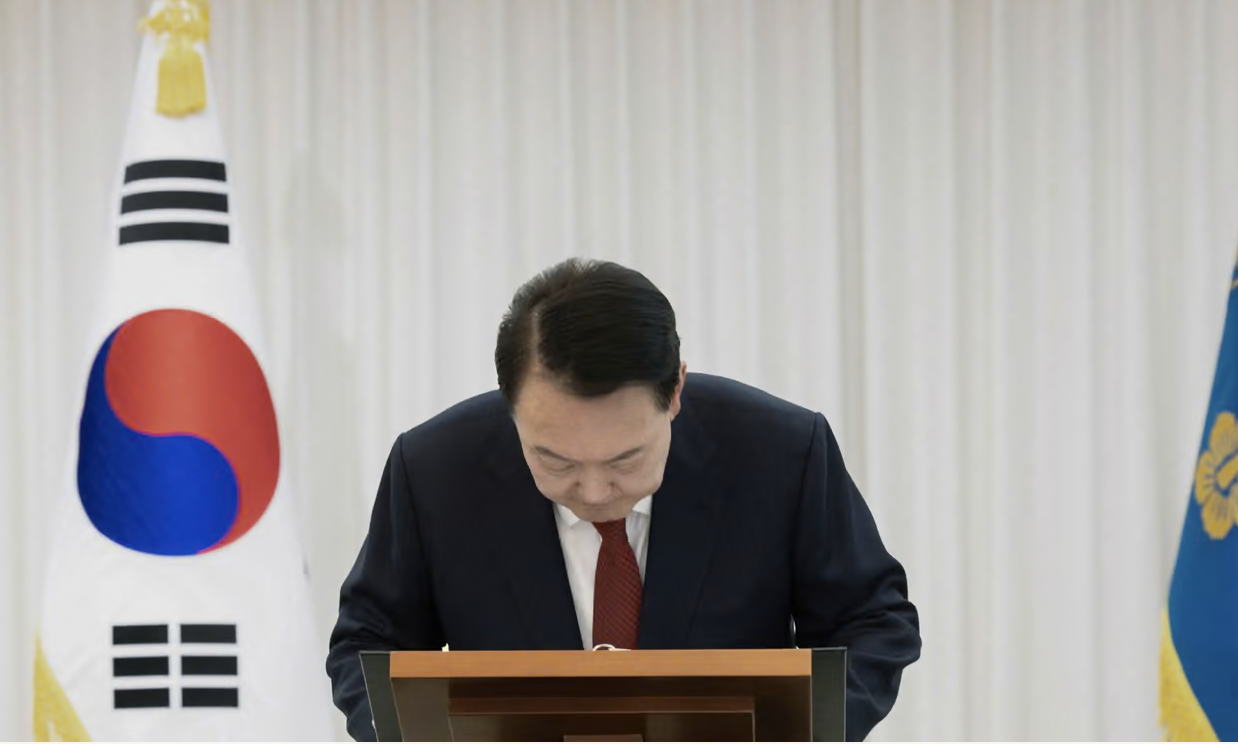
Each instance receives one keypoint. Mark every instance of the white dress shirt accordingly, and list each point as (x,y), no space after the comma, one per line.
(581,543)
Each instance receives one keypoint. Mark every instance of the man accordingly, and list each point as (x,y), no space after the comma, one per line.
(604,496)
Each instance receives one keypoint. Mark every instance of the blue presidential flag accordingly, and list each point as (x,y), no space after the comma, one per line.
(1199,647)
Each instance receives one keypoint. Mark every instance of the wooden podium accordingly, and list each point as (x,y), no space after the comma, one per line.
(698,695)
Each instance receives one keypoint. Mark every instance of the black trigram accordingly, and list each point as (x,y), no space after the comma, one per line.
(151,669)
(189,203)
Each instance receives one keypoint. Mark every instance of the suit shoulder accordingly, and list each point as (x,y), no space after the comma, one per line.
(728,404)
(464,427)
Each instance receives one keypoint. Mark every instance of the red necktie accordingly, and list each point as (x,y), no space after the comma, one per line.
(616,588)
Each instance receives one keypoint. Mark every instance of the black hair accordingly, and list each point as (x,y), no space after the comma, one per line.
(595,326)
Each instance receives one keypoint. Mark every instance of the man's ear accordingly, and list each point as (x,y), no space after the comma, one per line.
(675,402)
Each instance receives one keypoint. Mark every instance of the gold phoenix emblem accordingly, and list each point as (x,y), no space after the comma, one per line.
(1215,478)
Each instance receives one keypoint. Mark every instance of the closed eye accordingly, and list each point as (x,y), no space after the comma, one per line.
(626,465)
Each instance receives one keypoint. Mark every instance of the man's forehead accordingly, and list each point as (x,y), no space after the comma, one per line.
(544,389)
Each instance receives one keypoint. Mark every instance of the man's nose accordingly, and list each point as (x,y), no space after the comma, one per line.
(594,489)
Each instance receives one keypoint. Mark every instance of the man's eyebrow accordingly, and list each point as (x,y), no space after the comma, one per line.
(556,456)
(626,455)
(548,453)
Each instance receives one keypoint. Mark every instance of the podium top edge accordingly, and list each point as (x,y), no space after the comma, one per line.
(781,662)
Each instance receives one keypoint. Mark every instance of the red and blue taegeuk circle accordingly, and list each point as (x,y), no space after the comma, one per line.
(179,448)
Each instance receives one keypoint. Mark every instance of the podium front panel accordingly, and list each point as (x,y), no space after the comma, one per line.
(723,695)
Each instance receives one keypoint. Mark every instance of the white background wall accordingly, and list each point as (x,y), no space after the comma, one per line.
(991,241)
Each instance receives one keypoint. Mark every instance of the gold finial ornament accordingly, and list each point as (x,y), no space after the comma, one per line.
(180,24)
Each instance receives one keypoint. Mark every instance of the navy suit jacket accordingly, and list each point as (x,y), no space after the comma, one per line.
(759,539)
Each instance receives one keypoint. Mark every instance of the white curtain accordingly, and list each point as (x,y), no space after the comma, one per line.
(991,241)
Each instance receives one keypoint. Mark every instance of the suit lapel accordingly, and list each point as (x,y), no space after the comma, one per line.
(525,542)
(684,525)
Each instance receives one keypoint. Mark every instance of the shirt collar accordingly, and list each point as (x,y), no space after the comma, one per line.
(570,520)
